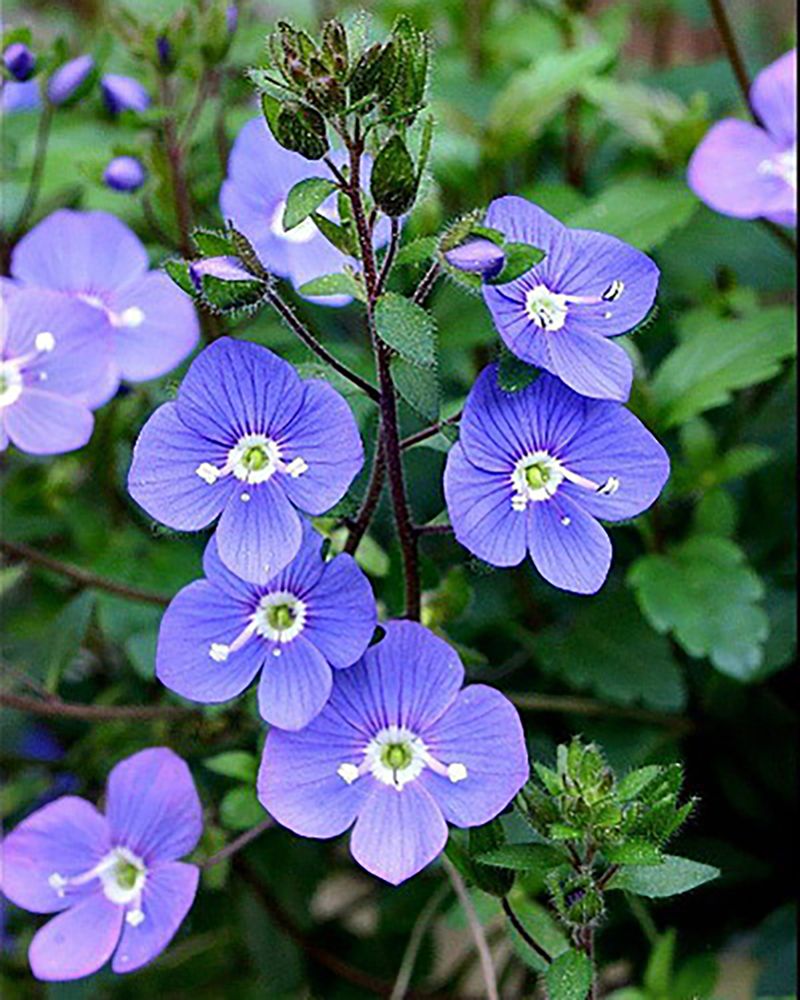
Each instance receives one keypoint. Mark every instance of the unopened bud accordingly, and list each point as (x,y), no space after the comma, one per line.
(124,173)
(68,79)
(222,268)
(123,93)
(477,256)
(19,61)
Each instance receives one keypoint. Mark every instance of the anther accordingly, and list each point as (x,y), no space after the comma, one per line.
(45,341)
(614,290)
(134,917)
(207,472)
(348,773)
(219,651)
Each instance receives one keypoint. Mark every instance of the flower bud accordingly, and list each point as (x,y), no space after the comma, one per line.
(19,61)
(68,79)
(477,256)
(124,173)
(164,52)
(123,93)
(222,268)
(231,18)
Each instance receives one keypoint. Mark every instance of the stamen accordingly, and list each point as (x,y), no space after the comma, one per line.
(208,472)
(614,291)
(348,773)
(219,651)
(45,341)
(296,467)
(537,477)
(395,756)
(134,917)
(132,316)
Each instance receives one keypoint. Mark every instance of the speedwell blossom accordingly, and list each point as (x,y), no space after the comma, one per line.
(19,61)
(477,256)
(747,171)
(69,79)
(114,880)
(248,441)
(123,93)
(54,363)
(400,751)
(561,314)
(534,470)
(124,173)
(261,173)
(218,633)
(96,258)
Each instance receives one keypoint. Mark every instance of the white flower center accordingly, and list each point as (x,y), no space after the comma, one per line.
(538,475)
(395,756)
(12,383)
(280,617)
(302,233)
(131,317)
(783,165)
(549,309)
(122,875)
(254,458)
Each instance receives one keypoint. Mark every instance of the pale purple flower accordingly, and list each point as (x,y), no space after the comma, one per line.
(248,441)
(231,17)
(96,258)
(749,172)
(477,256)
(69,78)
(561,314)
(535,471)
(123,93)
(16,97)
(261,173)
(54,370)
(223,268)
(400,751)
(114,880)
(220,632)
(125,173)
(19,61)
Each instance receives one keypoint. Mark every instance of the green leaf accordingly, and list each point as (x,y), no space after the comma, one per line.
(673,876)
(537,858)
(343,283)
(407,328)
(520,258)
(234,764)
(538,922)
(706,595)
(633,852)
(569,977)
(514,374)
(240,809)
(417,251)
(342,237)
(302,130)
(730,354)
(419,387)
(213,243)
(636,781)
(66,636)
(304,198)
(495,879)
(393,181)
(658,974)
(231,296)
(178,270)
(643,211)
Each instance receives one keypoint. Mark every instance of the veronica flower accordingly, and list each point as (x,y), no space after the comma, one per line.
(54,364)
(261,173)
(218,633)
(124,173)
(248,441)
(123,93)
(534,470)
(69,78)
(113,880)
(747,171)
(477,256)
(560,315)
(96,258)
(16,97)
(19,61)
(400,751)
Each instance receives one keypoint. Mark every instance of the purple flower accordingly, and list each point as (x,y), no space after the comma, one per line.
(534,470)
(54,370)
(560,315)
(248,441)
(400,751)
(123,93)
(231,18)
(224,268)
(748,172)
(164,51)
(477,256)
(114,880)
(218,633)
(68,79)
(96,258)
(19,61)
(124,173)
(260,175)
(15,97)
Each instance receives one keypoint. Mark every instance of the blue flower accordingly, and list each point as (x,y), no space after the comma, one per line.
(561,314)
(68,79)
(124,173)
(123,93)
(535,470)
(248,441)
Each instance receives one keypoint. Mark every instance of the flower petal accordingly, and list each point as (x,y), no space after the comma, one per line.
(163,475)
(482,731)
(295,684)
(226,580)
(167,897)
(325,435)
(167,333)
(43,424)
(521,221)
(341,612)
(152,805)
(67,837)
(590,364)
(774,96)
(257,538)
(199,615)
(305,570)
(568,547)
(519,333)
(78,941)
(479,505)
(398,833)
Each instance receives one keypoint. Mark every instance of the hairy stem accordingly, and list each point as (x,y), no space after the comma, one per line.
(239,843)
(56,708)
(476,928)
(428,432)
(371,498)
(388,260)
(37,170)
(587,706)
(733,52)
(425,287)
(415,939)
(523,932)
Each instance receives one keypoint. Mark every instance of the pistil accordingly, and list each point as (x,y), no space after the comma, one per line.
(396,756)
(254,458)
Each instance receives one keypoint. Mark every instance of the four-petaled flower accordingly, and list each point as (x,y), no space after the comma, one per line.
(54,362)
(114,880)
(261,173)
(249,440)
(749,172)
(400,751)
(218,633)
(96,258)
(560,314)
(533,471)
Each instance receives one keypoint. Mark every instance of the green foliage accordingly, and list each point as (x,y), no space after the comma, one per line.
(669,878)
(393,181)
(407,328)
(570,976)
(304,198)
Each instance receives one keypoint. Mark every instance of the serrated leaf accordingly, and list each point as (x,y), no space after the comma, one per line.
(673,876)
(497,880)
(304,198)
(704,593)
(230,296)
(524,857)
(417,251)
(213,243)
(393,181)
(704,371)
(636,781)
(633,852)
(569,977)
(520,258)
(340,236)
(178,270)
(342,283)
(236,764)
(419,387)
(407,328)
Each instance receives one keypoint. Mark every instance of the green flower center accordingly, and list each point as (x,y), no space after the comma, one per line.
(255,458)
(537,475)
(281,616)
(126,874)
(396,756)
